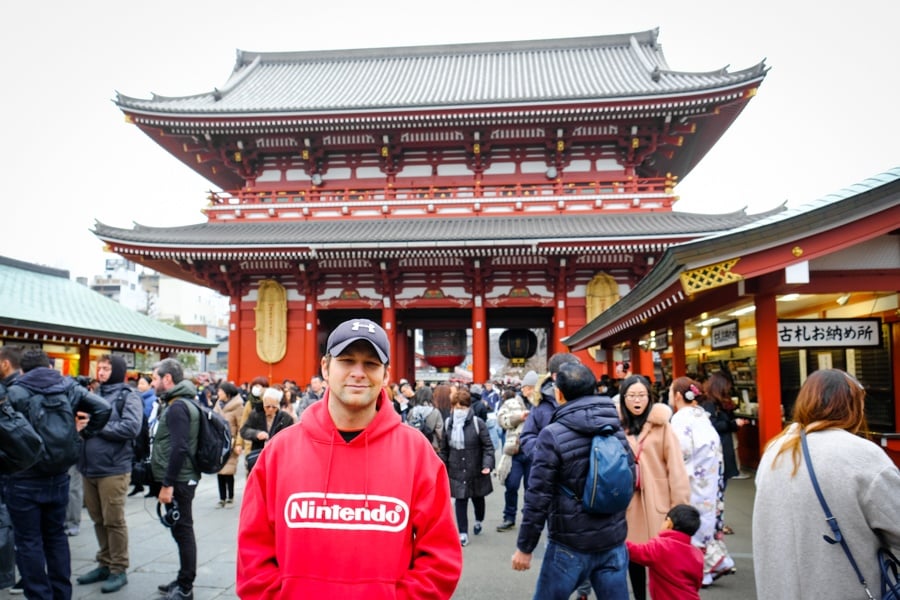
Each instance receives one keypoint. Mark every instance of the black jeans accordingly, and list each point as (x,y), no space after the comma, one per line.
(462,518)
(226,487)
(183,534)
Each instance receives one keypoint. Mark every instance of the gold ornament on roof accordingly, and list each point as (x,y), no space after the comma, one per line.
(710,276)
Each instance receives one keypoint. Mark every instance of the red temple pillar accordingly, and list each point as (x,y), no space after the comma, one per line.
(234,338)
(559,310)
(84,359)
(768,368)
(389,323)
(311,335)
(637,368)
(679,358)
(480,346)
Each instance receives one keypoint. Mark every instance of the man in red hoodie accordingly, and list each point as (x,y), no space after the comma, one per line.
(330,512)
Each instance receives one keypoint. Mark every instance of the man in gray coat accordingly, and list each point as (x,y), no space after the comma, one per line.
(105,465)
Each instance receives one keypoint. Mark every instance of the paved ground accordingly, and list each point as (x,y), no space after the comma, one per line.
(486,572)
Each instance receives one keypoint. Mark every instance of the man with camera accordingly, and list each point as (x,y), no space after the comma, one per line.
(171,460)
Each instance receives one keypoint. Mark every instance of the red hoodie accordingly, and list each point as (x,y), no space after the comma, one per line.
(324,518)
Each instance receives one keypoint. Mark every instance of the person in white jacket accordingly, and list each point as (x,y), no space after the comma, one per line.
(859,482)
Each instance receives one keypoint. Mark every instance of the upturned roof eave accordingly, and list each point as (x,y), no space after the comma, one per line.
(558,104)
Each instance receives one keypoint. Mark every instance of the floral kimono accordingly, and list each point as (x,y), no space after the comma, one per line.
(702,452)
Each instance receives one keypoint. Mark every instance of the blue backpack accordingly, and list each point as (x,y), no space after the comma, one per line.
(610,476)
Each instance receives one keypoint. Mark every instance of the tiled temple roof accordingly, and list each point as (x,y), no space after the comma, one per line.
(593,228)
(613,67)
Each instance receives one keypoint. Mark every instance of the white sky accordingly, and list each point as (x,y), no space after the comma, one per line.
(825,117)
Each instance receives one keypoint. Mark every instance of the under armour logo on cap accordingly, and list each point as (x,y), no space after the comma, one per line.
(359,329)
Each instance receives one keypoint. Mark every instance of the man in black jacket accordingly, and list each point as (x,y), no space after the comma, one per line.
(105,465)
(174,446)
(37,497)
(590,546)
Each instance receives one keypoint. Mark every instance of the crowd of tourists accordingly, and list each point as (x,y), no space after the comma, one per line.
(535,435)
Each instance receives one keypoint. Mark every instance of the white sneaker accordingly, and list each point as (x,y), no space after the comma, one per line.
(707,580)
(464,539)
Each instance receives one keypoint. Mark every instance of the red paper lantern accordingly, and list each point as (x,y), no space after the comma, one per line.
(444,348)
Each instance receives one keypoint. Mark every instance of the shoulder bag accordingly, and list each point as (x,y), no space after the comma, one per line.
(887,562)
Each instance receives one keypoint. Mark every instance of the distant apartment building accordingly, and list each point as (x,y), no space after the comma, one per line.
(120,281)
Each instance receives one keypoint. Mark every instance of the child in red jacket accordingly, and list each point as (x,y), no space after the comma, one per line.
(676,567)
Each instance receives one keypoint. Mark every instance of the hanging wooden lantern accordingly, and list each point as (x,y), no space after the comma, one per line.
(444,348)
(518,345)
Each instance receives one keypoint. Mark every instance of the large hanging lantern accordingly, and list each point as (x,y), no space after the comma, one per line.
(518,345)
(444,348)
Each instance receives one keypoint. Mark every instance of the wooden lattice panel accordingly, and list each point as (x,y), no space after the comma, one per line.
(709,276)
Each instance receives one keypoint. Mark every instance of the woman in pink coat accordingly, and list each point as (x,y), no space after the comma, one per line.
(662,478)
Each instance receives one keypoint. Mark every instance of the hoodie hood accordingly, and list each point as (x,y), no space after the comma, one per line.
(547,391)
(319,426)
(588,414)
(44,380)
(180,390)
(117,374)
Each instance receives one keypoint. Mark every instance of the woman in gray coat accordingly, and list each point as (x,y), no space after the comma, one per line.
(858,480)
(468,452)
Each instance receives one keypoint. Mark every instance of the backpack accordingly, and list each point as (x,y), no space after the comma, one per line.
(610,478)
(20,445)
(141,444)
(418,418)
(53,418)
(213,440)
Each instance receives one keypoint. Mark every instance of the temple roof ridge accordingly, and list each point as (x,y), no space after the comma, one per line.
(247,58)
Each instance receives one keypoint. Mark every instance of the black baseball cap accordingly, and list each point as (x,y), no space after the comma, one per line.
(359,329)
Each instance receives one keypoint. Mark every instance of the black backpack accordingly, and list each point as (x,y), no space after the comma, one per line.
(140,444)
(213,440)
(53,418)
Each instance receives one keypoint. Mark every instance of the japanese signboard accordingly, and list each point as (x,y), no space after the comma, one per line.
(829,333)
(661,340)
(724,335)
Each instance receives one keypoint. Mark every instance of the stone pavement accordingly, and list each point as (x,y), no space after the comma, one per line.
(487,573)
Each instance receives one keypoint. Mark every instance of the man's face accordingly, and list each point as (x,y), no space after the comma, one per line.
(355,377)
(315,384)
(104,370)
(161,384)
(5,368)
(142,385)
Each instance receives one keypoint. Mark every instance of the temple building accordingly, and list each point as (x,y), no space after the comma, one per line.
(450,189)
